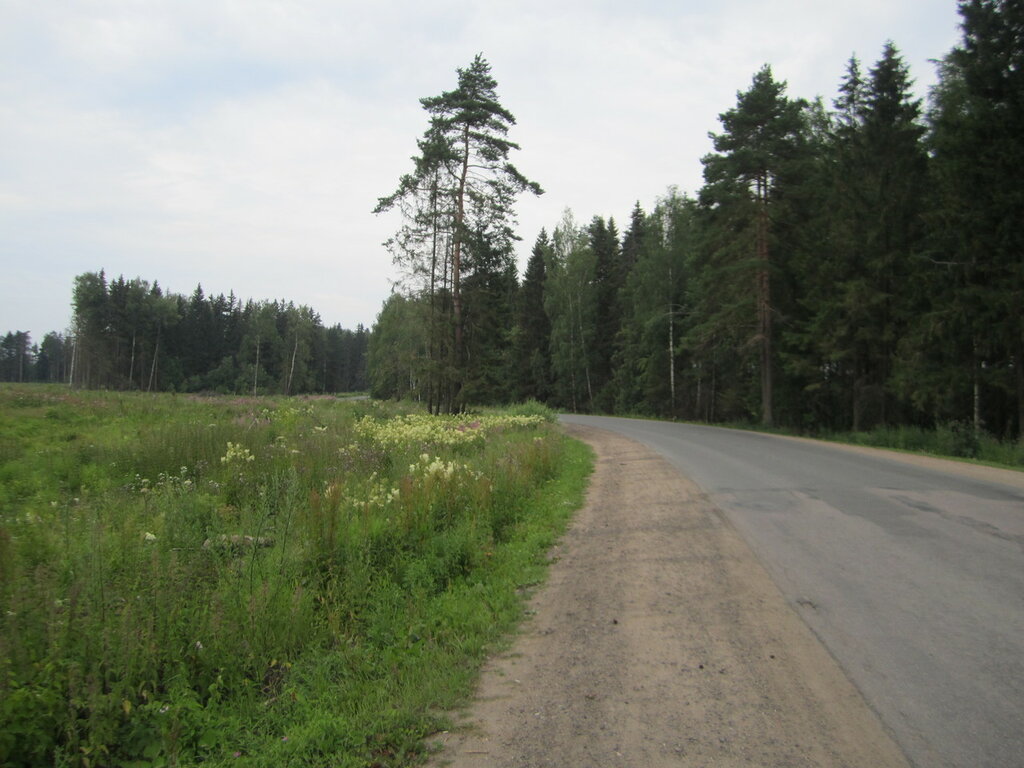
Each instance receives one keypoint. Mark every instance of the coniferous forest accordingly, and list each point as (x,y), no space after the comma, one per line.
(844,266)
(130,334)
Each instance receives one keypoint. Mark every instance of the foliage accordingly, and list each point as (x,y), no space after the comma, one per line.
(457,235)
(299,581)
(853,268)
(128,334)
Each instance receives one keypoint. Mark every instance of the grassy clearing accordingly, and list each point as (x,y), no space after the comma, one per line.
(255,582)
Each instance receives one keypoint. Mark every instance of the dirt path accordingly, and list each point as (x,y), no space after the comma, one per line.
(659,640)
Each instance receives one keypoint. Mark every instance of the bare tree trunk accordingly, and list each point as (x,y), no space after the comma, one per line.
(74,359)
(434,354)
(156,355)
(671,358)
(291,371)
(460,217)
(572,355)
(764,308)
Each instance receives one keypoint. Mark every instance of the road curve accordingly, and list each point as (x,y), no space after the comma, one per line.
(909,570)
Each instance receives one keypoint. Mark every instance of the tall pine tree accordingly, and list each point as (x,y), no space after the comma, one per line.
(463,187)
(760,136)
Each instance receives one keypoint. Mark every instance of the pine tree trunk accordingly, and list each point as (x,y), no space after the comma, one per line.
(256,368)
(434,356)
(74,355)
(460,217)
(291,371)
(764,309)
(671,358)
(156,354)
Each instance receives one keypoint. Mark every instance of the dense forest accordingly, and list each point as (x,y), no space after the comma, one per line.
(841,268)
(129,334)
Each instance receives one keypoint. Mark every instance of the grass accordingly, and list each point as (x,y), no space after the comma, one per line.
(956,440)
(257,582)
(952,440)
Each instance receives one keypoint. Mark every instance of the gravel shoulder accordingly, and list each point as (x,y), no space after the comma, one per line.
(659,640)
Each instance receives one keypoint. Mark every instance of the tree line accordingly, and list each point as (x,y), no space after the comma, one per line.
(130,334)
(841,267)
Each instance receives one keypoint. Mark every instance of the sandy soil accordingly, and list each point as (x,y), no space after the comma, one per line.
(659,640)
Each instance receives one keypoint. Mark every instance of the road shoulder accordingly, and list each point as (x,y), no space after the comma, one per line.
(660,640)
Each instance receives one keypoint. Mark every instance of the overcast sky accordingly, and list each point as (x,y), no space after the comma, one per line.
(242,144)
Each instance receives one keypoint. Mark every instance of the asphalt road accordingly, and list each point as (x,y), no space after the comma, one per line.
(912,575)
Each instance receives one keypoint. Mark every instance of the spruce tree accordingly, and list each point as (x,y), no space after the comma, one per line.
(609,279)
(531,347)
(977,141)
(859,286)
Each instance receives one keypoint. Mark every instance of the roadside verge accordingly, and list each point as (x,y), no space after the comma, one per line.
(660,640)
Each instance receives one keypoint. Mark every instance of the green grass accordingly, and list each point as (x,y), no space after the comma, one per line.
(954,440)
(950,440)
(138,627)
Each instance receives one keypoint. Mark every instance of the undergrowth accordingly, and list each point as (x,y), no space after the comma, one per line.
(258,582)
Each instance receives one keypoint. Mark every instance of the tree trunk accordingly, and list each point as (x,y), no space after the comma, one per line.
(671,359)
(152,368)
(434,356)
(291,371)
(460,218)
(256,368)
(764,308)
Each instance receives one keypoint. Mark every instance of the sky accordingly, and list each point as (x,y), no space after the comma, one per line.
(242,145)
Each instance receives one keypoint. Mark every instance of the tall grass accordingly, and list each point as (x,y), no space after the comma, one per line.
(954,439)
(256,581)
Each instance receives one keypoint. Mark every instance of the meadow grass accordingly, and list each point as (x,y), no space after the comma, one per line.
(256,581)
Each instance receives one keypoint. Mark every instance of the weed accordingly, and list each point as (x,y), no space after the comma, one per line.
(302,582)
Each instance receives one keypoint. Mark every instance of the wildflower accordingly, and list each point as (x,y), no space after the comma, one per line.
(147,536)
(236,453)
